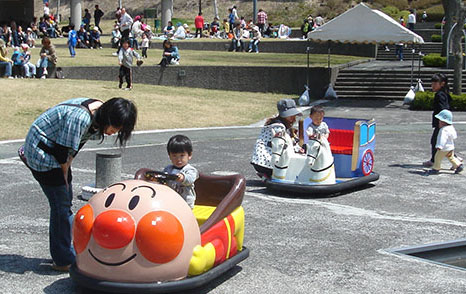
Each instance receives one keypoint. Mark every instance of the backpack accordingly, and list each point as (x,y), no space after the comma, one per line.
(59,73)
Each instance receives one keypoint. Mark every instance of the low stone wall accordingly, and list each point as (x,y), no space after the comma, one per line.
(286,80)
(281,46)
(274,46)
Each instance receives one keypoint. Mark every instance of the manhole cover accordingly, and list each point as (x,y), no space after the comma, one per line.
(451,253)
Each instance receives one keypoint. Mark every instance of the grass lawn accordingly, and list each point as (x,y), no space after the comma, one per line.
(159,107)
(103,57)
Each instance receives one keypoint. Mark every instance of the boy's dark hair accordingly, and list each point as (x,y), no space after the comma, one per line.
(117,112)
(440,77)
(179,144)
(317,109)
(125,40)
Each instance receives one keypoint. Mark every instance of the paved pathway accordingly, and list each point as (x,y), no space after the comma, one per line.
(298,245)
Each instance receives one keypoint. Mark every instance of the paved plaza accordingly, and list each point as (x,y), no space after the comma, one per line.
(298,245)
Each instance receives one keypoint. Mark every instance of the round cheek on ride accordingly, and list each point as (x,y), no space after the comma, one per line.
(82,227)
(113,229)
(159,236)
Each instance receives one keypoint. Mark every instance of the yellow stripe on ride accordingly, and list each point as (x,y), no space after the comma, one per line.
(227,224)
(324,178)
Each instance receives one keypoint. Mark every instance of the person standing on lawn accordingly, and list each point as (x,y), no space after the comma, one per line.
(98,13)
(199,24)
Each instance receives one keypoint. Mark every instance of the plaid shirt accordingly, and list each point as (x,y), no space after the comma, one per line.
(261,17)
(63,124)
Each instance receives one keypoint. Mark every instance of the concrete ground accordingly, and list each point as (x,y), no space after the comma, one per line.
(298,245)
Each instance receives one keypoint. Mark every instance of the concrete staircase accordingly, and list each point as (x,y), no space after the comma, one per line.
(426,48)
(382,84)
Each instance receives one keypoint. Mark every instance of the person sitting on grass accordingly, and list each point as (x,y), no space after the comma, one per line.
(48,58)
(237,41)
(125,60)
(83,38)
(169,30)
(5,62)
(180,152)
(95,39)
(18,59)
(256,38)
(29,68)
(170,54)
(116,36)
(445,143)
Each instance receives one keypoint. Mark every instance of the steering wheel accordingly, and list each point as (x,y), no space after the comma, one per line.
(159,176)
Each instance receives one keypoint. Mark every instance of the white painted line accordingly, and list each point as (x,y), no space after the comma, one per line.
(356,211)
(253,126)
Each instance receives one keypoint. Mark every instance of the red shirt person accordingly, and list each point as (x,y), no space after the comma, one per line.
(199,24)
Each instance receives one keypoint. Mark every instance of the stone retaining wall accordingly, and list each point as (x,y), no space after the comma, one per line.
(286,80)
(276,46)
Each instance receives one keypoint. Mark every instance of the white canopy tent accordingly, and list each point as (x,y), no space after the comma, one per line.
(362,24)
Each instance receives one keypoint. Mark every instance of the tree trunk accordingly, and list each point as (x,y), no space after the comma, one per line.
(215,9)
(450,11)
(457,47)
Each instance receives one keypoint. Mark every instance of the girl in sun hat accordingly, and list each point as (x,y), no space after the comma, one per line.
(284,121)
(445,143)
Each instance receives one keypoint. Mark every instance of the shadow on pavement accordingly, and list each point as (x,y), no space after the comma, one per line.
(406,165)
(18,264)
(296,195)
(200,290)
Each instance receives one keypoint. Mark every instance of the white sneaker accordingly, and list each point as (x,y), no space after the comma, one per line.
(115,54)
(43,77)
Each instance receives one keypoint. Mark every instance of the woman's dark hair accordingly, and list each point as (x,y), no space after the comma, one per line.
(278,119)
(168,43)
(440,77)
(117,112)
(179,144)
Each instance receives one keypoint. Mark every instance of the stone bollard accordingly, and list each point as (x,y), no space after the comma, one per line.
(107,169)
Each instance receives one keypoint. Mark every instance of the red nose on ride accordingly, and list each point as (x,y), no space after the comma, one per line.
(113,229)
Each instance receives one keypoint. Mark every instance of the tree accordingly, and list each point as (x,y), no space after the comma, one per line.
(450,11)
(457,48)
(455,12)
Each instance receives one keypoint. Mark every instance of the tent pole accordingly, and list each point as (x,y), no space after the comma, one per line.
(328,52)
(419,65)
(307,71)
(412,63)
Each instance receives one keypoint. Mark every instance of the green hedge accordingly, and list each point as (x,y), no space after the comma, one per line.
(434,60)
(425,100)
(438,25)
(436,38)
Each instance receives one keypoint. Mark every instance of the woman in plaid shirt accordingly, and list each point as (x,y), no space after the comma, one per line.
(52,142)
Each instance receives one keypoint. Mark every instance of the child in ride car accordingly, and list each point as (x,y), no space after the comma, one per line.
(445,143)
(180,151)
(317,128)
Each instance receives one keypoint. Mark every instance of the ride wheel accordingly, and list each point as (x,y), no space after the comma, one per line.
(367,162)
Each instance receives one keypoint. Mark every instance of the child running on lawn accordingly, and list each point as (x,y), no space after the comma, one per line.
(125,59)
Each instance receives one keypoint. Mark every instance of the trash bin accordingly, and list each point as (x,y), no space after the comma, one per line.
(150,13)
(157,25)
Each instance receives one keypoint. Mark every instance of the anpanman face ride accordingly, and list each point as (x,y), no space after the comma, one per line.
(133,231)
(137,236)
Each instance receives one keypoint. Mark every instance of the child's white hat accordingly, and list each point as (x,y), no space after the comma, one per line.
(445,116)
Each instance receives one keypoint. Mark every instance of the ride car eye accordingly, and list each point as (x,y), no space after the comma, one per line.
(109,200)
(133,202)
